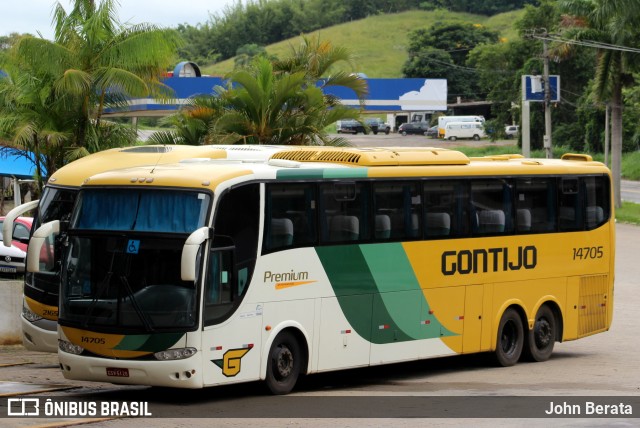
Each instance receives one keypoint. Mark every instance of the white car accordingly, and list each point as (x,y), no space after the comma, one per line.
(12,259)
(512,131)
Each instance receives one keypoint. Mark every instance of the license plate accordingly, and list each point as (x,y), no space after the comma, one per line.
(117,372)
(7,269)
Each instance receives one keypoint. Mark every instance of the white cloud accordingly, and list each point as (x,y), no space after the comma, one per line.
(431,96)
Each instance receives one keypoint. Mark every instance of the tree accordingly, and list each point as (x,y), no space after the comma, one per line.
(94,63)
(271,102)
(31,121)
(316,58)
(441,51)
(263,106)
(616,23)
(191,124)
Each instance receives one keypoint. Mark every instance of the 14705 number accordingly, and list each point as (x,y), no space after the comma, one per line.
(584,253)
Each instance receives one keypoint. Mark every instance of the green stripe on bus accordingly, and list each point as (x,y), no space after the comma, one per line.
(305,174)
(299,174)
(399,311)
(148,342)
(399,289)
(350,276)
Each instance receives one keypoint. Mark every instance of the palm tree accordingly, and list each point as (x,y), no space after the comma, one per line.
(614,22)
(265,107)
(190,125)
(30,122)
(316,58)
(94,63)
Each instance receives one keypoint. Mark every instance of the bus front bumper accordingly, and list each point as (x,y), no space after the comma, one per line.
(185,373)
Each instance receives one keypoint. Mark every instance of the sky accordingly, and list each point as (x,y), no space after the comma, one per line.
(33,16)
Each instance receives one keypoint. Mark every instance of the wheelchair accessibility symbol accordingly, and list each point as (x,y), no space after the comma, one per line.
(133,246)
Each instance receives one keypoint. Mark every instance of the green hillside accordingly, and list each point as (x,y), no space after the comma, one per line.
(379,42)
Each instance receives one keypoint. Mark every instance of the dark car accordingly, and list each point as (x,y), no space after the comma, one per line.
(432,132)
(349,127)
(374,125)
(377,125)
(414,128)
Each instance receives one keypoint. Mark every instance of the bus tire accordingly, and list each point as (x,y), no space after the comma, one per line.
(542,337)
(452,138)
(284,363)
(476,137)
(510,338)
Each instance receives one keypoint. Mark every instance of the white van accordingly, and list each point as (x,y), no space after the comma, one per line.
(443,120)
(455,130)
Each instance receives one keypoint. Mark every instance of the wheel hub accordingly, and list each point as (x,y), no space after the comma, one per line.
(284,362)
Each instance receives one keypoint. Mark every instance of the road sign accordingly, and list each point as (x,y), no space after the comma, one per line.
(533,88)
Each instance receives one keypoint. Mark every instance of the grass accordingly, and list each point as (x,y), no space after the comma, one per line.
(379,43)
(628,213)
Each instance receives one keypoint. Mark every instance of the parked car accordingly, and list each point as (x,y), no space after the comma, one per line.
(511,131)
(432,132)
(349,126)
(12,259)
(455,130)
(414,128)
(377,125)
(374,125)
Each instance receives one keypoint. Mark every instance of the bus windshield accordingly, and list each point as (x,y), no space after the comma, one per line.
(143,211)
(130,280)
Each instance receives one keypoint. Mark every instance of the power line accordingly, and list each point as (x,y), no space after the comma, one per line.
(588,43)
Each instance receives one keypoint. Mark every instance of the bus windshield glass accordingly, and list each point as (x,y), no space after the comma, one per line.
(161,211)
(130,279)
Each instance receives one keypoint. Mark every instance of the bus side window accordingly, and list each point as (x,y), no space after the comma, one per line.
(290,217)
(344,212)
(218,292)
(397,208)
(446,212)
(234,251)
(535,205)
(570,213)
(597,201)
(491,200)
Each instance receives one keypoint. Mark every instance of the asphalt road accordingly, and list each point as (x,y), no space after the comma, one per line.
(600,366)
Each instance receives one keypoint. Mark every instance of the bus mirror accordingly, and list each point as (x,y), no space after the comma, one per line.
(10,218)
(190,253)
(39,238)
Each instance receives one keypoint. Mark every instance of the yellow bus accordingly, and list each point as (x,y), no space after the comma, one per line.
(40,302)
(318,259)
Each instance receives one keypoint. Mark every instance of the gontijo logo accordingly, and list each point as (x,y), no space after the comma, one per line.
(287,279)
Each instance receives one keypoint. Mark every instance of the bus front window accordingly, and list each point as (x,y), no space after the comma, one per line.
(126,282)
(122,260)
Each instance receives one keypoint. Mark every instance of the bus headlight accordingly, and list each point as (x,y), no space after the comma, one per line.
(175,354)
(69,347)
(29,315)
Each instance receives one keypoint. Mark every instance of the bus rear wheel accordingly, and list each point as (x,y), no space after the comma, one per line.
(510,338)
(284,364)
(542,337)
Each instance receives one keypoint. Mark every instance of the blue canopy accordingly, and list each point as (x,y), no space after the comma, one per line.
(17,165)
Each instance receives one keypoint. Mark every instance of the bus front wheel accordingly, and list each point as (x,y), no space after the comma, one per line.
(510,338)
(542,336)
(284,364)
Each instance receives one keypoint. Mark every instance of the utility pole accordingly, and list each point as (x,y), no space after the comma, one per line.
(547,100)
